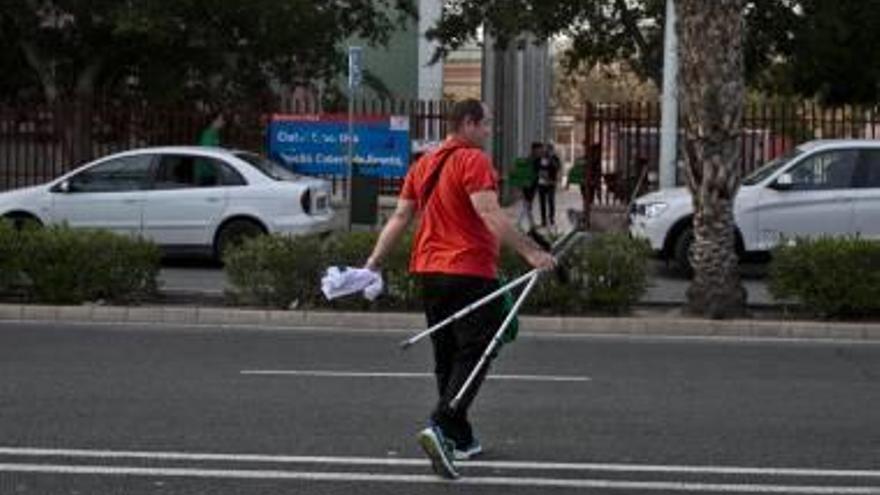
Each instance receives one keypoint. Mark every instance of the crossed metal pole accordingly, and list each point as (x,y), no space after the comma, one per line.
(530,278)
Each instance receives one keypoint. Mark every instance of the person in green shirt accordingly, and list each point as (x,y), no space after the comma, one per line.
(524,177)
(204,174)
(210,135)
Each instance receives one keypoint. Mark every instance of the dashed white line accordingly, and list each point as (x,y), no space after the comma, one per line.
(371,374)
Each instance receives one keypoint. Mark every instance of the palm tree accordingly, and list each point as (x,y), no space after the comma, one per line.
(711,93)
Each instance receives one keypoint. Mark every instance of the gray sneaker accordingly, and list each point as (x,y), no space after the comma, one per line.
(437,449)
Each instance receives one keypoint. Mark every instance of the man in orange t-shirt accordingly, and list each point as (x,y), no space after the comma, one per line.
(454,191)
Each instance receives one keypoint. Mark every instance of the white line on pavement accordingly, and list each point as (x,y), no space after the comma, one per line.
(385,461)
(359,374)
(525,333)
(412,478)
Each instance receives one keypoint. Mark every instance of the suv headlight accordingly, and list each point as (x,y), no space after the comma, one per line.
(654,209)
(648,210)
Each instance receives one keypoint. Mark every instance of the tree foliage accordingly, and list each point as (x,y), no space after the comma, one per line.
(606,31)
(218,50)
(834,55)
(810,48)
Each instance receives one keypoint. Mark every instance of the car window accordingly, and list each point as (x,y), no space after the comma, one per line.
(267,167)
(184,171)
(129,173)
(868,174)
(770,167)
(827,170)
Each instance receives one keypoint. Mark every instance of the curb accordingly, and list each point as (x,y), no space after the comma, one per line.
(650,325)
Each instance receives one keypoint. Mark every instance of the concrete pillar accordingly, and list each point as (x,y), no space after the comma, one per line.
(516,86)
(669,111)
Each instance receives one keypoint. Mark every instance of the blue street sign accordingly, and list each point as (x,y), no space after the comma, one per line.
(318,144)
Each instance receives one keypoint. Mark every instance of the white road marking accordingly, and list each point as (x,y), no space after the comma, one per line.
(386,461)
(525,333)
(363,374)
(414,478)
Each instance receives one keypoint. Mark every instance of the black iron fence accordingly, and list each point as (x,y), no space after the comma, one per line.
(628,137)
(39,142)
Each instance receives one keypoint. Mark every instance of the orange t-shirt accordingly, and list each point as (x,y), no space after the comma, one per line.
(452,237)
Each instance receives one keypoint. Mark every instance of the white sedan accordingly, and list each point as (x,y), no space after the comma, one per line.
(186,198)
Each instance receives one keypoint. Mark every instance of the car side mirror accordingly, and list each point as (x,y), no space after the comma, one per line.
(783,183)
(62,187)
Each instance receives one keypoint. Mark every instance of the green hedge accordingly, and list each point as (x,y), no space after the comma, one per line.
(59,265)
(607,275)
(10,254)
(828,277)
(276,271)
(283,272)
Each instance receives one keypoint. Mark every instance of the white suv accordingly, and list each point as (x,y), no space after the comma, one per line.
(819,188)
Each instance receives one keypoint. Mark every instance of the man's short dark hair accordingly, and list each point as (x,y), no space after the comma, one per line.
(470,108)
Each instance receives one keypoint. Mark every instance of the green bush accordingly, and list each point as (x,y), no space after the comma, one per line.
(276,271)
(10,256)
(612,272)
(404,289)
(67,266)
(829,277)
(607,275)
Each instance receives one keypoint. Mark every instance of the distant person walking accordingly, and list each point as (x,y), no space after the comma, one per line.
(525,177)
(454,191)
(548,172)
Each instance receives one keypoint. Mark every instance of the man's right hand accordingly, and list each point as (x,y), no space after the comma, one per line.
(539,258)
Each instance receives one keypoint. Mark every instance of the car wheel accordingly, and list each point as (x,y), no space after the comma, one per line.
(233,234)
(21,221)
(681,251)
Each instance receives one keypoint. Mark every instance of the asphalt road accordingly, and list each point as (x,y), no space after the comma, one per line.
(103,409)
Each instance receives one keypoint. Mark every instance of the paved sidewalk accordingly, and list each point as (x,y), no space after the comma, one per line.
(643,324)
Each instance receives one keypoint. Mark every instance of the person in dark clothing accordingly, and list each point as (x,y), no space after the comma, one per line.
(455,253)
(528,182)
(548,172)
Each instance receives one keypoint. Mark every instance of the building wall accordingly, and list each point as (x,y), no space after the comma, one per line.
(516,85)
(396,65)
(462,73)
(403,65)
(430,76)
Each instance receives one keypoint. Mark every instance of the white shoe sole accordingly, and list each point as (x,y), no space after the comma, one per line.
(464,455)
(440,462)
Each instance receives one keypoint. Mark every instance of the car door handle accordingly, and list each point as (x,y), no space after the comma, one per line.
(130,201)
(212,200)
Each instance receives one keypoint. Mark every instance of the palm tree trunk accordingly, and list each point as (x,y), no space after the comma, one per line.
(712,93)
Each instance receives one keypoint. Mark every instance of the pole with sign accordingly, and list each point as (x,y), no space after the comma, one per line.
(355,77)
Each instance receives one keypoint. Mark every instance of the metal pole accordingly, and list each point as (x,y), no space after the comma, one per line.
(669,119)
(469,308)
(350,171)
(495,341)
(558,249)
(355,76)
